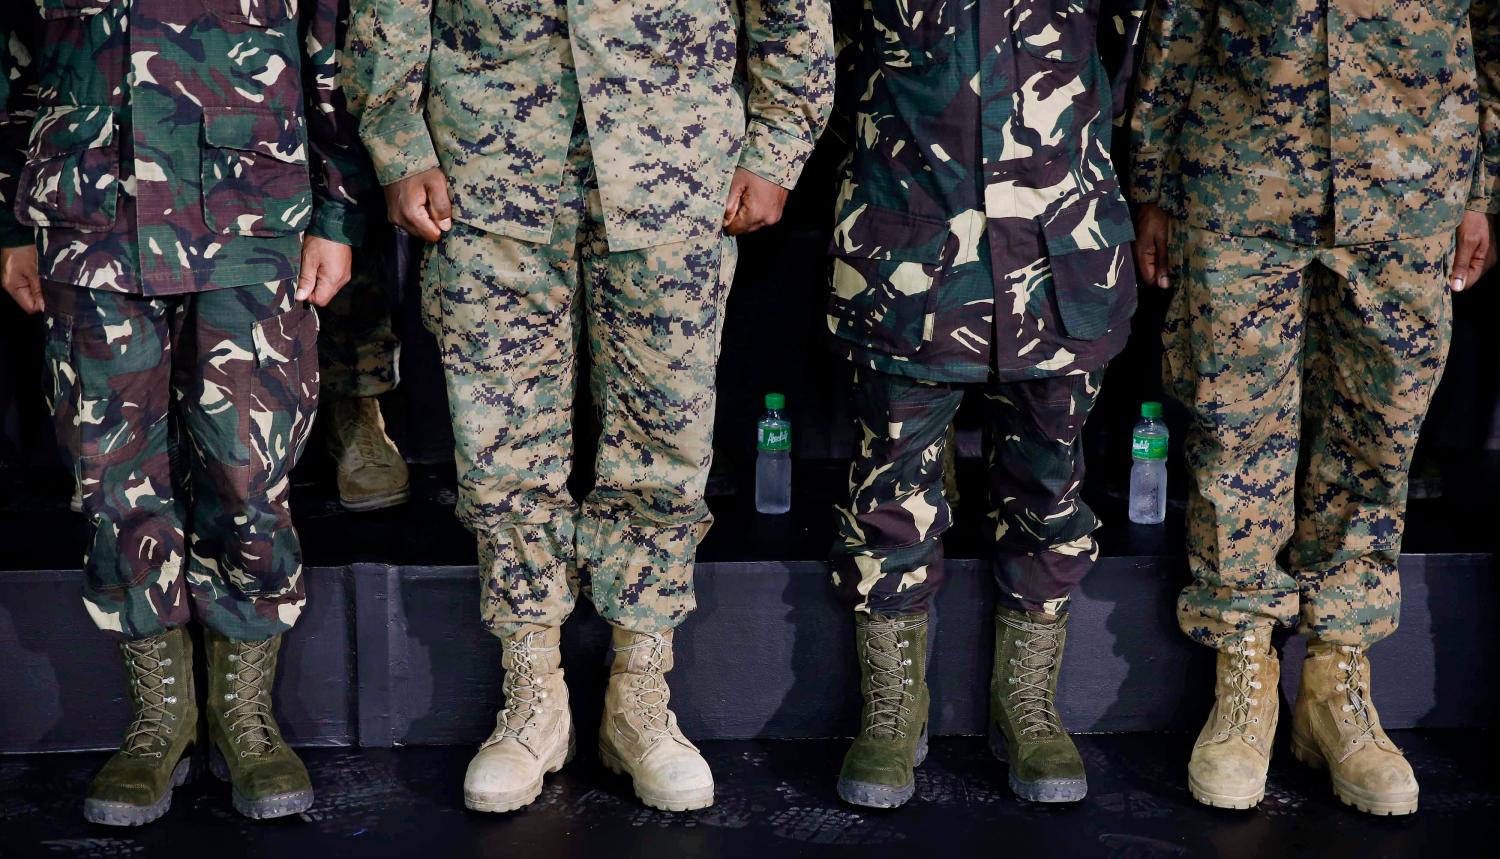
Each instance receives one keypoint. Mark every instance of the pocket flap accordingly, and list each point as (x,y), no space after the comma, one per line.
(62,130)
(53,9)
(283,338)
(874,232)
(277,135)
(1088,225)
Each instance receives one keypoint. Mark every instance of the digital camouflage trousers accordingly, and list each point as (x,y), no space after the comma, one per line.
(1307,372)
(183,416)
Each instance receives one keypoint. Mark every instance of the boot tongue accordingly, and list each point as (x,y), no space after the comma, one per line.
(1243,683)
(1033,680)
(149,682)
(885,653)
(249,719)
(1352,682)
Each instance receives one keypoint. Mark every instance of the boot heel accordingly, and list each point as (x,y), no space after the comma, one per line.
(1308,753)
(997,744)
(217,765)
(610,760)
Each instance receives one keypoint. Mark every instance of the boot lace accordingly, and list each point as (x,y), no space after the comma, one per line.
(890,696)
(248,721)
(649,694)
(1354,682)
(523,694)
(150,685)
(1243,682)
(364,440)
(1031,700)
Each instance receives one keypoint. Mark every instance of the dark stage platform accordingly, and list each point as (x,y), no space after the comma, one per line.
(776,799)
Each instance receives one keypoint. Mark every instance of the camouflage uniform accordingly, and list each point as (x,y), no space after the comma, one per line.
(981,238)
(358,351)
(588,150)
(1316,157)
(177,152)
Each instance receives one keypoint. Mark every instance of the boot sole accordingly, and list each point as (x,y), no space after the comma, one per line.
(379,502)
(266,807)
(1043,789)
(501,802)
(1387,805)
(110,813)
(683,801)
(875,795)
(1225,800)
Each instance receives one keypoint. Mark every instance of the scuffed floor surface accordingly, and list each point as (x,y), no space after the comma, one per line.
(775,799)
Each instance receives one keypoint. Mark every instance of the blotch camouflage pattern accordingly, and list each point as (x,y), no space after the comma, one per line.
(183,416)
(1289,357)
(980,226)
(358,349)
(1320,121)
(178,145)
(506,314)
(491,90)
(888,558)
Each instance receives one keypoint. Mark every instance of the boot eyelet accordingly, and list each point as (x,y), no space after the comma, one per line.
(234,657)
(229,696)
(166,663)
(172,700)
(169,681)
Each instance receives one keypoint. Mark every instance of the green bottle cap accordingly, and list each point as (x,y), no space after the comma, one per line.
(775,402)
(1150,410)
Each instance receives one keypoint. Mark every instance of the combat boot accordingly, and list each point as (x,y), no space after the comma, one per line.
(266,777)
(639,735)
(371,472)
(160,748)
(880,768)
(1024,726)
(1229,762)
(533,734)
(1334,725)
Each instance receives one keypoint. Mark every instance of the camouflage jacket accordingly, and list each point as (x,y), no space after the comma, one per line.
(980,226)
(489,90)
(1320,121)
(177,145)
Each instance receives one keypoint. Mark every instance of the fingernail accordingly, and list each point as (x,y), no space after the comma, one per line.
(446,224)
(1163,283)
(1458,284)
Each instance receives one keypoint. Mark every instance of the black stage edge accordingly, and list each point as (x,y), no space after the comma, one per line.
(774,798)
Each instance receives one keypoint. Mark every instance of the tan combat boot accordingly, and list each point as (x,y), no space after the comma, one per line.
(371,472)
(1335,725)
(533,734)
(639,735)
(1229,762)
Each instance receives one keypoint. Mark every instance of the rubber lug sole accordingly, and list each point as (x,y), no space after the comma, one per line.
(379,502)
(1043,789)
(501,802)
(874,795)
(110,813)
(1351,795)
(266,807)
(678,801)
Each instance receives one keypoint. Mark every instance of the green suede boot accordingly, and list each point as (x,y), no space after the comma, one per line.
(1024,726)
(879,769)
(267,777)
(159,751)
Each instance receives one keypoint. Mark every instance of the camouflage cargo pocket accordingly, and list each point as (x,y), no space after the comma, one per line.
(1062,31)
(61,388)
(886,269)
(255,175)
(253,13)
(1093,276)
(283,392)
(55,9)
(72,172)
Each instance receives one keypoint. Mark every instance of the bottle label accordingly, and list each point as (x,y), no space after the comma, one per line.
(774,436)
(1148,447)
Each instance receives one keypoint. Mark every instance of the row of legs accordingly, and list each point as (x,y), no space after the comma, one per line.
(1306,373)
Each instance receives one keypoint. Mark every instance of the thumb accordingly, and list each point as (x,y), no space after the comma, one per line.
(308,279)
(438,204)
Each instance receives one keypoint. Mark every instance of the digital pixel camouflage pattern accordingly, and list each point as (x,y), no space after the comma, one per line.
(506,313)
(490,90)
(237,371)
(1320,122)
(889,560)
(358,349)
(180,146)
(1289,355)
(980,226)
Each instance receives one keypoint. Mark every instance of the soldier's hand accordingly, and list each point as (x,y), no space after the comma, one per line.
(419,204)
(18,274)
(1151,245)
(754,202)
(1474,253)
(325,270)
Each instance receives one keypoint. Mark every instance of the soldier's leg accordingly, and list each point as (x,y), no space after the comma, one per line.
(109,356)
(887,564)
(505,327)
(1233,339)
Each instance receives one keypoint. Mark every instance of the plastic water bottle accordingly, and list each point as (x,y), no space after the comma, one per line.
(773,465)
(1148,475)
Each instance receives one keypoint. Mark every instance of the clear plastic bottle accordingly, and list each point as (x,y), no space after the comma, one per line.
(1148,475)
(773,464)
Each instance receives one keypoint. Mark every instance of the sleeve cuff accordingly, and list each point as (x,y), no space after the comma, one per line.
(338,222)
(773,155)
(1145,180)
(14,235)
(400,152)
